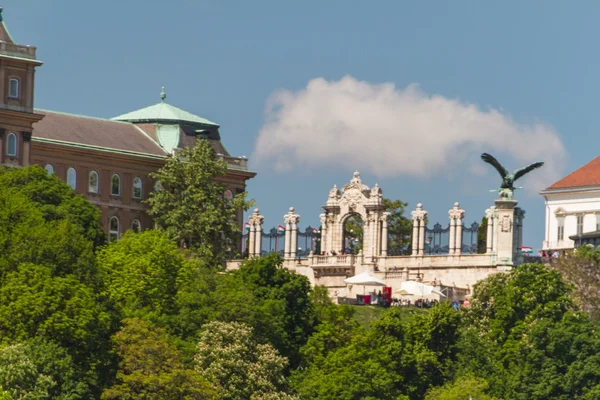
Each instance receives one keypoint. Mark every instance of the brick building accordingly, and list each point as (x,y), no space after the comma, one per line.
(108,161)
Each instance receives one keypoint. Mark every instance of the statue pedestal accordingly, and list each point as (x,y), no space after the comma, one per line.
(505,233)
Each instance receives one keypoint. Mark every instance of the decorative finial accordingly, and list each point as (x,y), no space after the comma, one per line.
(163,94)
(1,18)
(292,209)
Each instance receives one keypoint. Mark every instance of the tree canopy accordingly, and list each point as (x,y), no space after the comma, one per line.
(189,203)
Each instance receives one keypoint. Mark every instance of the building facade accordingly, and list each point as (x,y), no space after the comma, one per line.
(108,161)
(573,209)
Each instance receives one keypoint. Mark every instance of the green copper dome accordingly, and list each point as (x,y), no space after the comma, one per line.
(163,112)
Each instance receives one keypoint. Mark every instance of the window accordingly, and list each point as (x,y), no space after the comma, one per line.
(598,222)
(137,188)
(11,145)
(49,169)
(136,225)
(228,195)
(561,228)
(72,178)
(113,229)
(115,189)
(93,182)
(579,224)
(13,88)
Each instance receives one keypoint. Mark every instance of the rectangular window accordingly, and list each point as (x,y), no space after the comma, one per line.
(579,224)
(13,88)
(561,229)
(598,222)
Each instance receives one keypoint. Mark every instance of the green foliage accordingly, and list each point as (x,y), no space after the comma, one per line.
(140,273)
(20,377)
(151,368)
(190,207)
(229,356)
(524,335)
(482,236)
(460,389)
(582,269)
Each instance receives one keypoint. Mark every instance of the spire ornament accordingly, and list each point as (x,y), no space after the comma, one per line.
(163,94)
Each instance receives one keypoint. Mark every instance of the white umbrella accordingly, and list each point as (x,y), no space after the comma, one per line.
(414,288)
(364,279)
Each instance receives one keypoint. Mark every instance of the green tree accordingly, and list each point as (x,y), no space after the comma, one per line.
(482,236)
(140,272)
(190,207)
(151,368)
(525,336)
(460,389)
(19,376)
(229,356)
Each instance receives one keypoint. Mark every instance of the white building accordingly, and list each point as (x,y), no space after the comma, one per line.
(573,209)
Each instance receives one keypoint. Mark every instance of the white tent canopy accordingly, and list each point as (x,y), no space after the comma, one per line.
(414,288)
(364,279)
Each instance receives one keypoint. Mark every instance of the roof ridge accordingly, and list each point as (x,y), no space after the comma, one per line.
(83,116)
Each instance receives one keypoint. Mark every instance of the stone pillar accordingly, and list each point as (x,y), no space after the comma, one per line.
(504,233)
(384,234)
(26,148)
(415,237)
(495,231)
(287,240)
(489,240)
(452,235)
(323,218)
(255,236)
(291,233)
(419,216)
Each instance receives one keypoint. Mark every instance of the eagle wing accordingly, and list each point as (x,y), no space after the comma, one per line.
(520,172)
(488,158)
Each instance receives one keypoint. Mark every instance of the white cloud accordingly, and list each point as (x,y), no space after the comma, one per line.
(398,132)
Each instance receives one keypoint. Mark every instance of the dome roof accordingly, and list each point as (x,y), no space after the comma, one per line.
(163,112)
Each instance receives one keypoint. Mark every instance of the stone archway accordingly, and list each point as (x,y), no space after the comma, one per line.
(355,198)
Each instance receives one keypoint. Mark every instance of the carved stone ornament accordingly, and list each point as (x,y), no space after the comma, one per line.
(356,183)
(291,217)
(351,198)
(506,223)
(456,212)
(419,213)
(323,219)
(334,193)
(489,213)
(385,216)
(256,218)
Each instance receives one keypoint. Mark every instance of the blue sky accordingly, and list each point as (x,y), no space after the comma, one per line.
(479,69)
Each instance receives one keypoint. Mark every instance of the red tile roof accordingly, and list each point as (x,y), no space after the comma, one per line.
(586,176)
(89,131)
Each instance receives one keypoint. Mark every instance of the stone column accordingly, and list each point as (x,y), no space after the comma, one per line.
(459,214)
(504,233)
(26,148)
(291,231)
(419,216)
(384,234)
(415,237)
(323,218)
(287,240)
(489,240)
(495,233)
(452,235)
(255,236)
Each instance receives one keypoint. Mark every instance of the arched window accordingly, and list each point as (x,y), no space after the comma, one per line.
(136,225)
(93,182)
(11,145)
(137,187)
(49,169)
(113,229)
(115,188)
(13,88)
(72,178)
(228,194)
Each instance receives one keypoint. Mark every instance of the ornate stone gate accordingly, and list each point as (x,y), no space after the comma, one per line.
(355,198)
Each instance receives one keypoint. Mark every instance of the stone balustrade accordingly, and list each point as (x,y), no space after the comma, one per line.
(16,50)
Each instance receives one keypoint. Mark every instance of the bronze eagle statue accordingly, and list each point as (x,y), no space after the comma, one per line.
(508,179)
